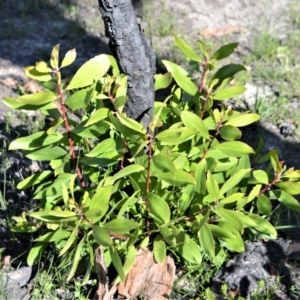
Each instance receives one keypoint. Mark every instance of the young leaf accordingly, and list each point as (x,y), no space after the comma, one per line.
(159,249)
(54,57)
(191,120)
(159,208)
(42,67)
(261,176)
(186,49)
(234,148)
(175,136)
(243,119)
(224,51)
(101,236)
(276,164)
(207,241)
(228,93)
(69,58)
(230,133)
(162,81)
(120,226)
(91,71)
(39,98)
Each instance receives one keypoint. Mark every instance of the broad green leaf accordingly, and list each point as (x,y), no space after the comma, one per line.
(234,148)
(264,226)
(39,98)
(69,58)
(230,217)
(168,235)
(36,140)
(120,226)
(159,249)
(175,136)
(132,124)
(42,67)
(162,163)
(254,193)
(228,93)
(101,236)
(185,83)
(127,171)
(264,205)
(200,177)
(219,232)
(33,179)
(188,248)
(101,199)
(117,262)
(80,99)
(186,49)
(109,148)
(207,241)
(243,119)
(71,239)
(162,81)
(33,73)
(54,57)
(92,131)
(184,177)
(247,222)
(286,199)
(159,208)
(62,214)
(98,115)
(76,258)
(93,214)
(230,133)
(224,51)
(128,203)
(232,198)
(172,67)
(212,186)
(261,176)
(35,252)
(91,71)
(24,227)
(234,243)
(54,236)
(186,197)
(191,120)
(233,180)
(45,154)
(290,187)
(227,71)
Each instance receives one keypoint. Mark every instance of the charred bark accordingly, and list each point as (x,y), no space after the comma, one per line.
(134,54)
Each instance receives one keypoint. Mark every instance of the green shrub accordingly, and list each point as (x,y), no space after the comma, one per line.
(185,185)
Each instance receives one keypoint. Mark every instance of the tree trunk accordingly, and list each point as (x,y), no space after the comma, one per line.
(135,57)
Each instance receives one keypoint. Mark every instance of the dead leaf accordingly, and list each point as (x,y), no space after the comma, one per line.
(32,87)
(221,31)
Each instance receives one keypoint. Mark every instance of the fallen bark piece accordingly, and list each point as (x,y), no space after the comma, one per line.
(147,279)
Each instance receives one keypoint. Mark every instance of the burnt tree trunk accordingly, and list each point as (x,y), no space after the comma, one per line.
(134,54)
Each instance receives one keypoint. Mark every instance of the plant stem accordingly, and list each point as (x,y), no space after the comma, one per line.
(148,182)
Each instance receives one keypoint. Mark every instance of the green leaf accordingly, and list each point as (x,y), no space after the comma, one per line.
(224,51)
(80,99)
(189,249)
(191,120)
(230,133)
(186,197)
(120,226)
(200,177)
(127,171)
(101,199)
(207,241)
(159,249)
(243,119)
(212,186)
(69,58)
(35,252)
(290,187)
(162,163)
(172,67)
(34,179)
(132,124)
(54,57)
(286,199)
(227,71)
(91,71)
(230,217)
(101,236)
(264,205)
(36,140)
(45,154)
(62,214)
(175,136)
(261,176)
(219,232)
(186,49)
(234,243)
(33,73)
(159,208)
(98,115)
(233,180)
(39,98)
(276,164)
(185,83)
(92,131)
(71,239)
(54,236)
(234,148)
(264,226)
(76,258)
(109,148)
(117,263)
(93,214)
(42,67)
(228,93)
(162,81)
